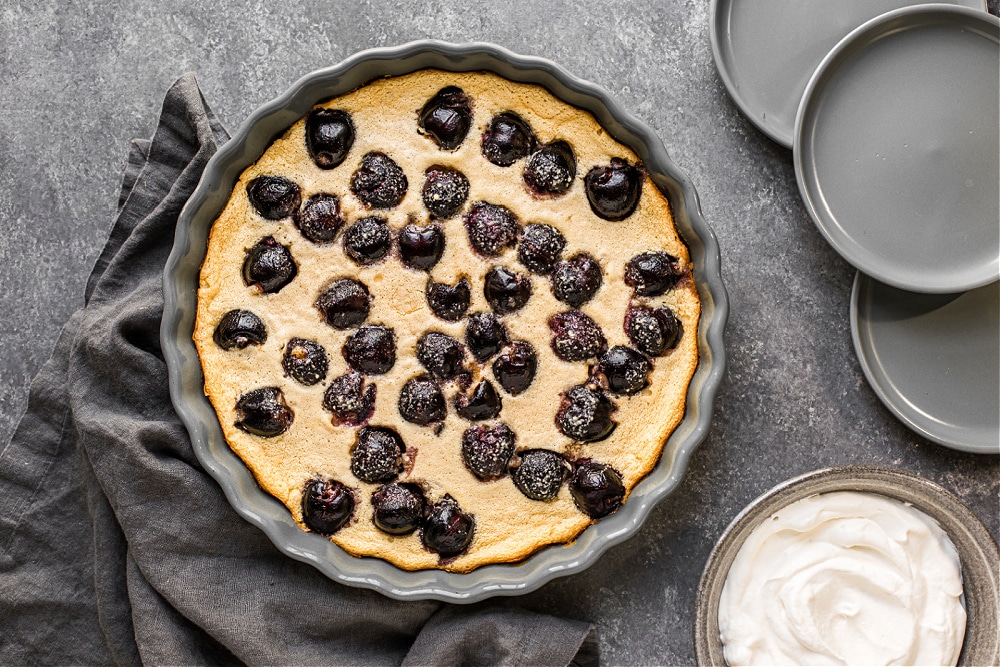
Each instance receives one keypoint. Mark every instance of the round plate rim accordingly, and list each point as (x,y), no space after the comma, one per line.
(719,51)
(806,177)
(863,285)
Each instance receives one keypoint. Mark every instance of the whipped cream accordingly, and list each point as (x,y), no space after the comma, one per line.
(844,578)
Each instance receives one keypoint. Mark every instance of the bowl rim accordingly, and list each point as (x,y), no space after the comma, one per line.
(180,280)
(978,551)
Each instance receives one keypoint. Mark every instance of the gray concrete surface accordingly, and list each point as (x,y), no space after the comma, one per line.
(78,80)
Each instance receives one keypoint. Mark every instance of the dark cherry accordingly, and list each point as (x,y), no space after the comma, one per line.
(486,450)
(305,361)
(449,302)
(614,190)
(551,169)
(653,331)
(585,414)
(319,220)
(491,228)
(540,247)
(398,508)
(506,291)
(379,182)
(263,412)
(345,303)
(597,489)
(626,369)
(421,401)
(540,474)
(515,368)
(351,402)
(575,336)
(507,139)
(274,197)
(371,350)
(446,118)
(483,403)
(440,354)
(238,329)
(329,136)
(485,335)
(326,505)
(576,280)
(367,240)
(421,247)
(445,191)
(269,266)
(652,273)
(377,456)
(447,529)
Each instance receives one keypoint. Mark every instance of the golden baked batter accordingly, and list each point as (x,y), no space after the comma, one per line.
(508,525)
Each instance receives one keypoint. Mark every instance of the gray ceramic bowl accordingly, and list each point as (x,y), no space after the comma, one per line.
(977,551)
(186,380)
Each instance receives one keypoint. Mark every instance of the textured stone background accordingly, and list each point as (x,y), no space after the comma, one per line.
(78,80)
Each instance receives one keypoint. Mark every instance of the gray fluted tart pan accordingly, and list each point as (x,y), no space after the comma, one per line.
(181,278)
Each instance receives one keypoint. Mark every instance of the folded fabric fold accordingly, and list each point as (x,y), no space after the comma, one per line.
(117,547)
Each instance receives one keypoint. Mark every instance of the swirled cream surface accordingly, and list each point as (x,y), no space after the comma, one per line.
(844,578)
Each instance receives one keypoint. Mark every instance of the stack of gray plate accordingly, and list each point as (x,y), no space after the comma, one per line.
(890,109)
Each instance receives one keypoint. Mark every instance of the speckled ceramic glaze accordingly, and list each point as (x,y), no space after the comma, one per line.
(264,511)
(976,548)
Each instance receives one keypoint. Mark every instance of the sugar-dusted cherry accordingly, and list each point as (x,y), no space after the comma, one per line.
(540,473)
(379,182)
(305,361)
(398,509)
(377,455)
(371,350)
(551,169)
(652,273)
(449,302)
(368,240)
(575,336)
(319,219)
(421,401)
(625,369)
(445,191)
(350,400)
(653,331)
(492,228)
(585,414)
(486,449)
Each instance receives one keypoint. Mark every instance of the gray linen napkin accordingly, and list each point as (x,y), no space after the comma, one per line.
(117,547)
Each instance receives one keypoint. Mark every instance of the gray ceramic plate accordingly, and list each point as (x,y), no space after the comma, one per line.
(976,549)
(933,359)
(897,148)
(766,50)
(186,380)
